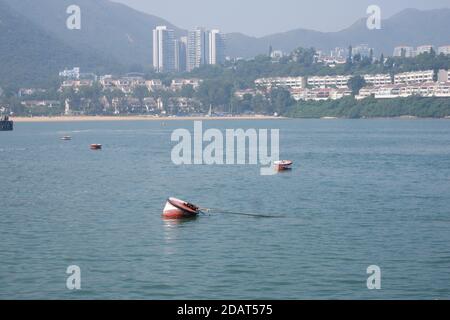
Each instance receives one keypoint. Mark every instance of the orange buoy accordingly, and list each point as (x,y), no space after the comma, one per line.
(96,146)
(283,165)
(179,209)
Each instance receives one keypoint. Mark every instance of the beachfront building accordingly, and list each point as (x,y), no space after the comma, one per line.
(280,82)
(378,79)
(329,81)
(178,84)
(163,49)
(154,85)
(414,77)
(75,84)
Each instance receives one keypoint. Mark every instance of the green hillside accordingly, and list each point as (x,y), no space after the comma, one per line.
(30,56)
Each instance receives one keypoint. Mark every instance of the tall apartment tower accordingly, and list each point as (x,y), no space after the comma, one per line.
(216,47)
(163,50)
(197,48)
(181,54)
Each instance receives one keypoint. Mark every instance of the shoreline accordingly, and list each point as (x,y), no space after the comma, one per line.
(190,118)
(136,118)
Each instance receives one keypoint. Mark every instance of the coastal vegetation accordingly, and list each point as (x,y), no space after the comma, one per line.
(372,108)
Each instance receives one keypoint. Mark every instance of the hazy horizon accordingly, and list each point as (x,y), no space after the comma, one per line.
(239,16)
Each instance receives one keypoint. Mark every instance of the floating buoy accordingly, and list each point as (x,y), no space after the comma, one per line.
(179,209)
(283,165)
(96,146)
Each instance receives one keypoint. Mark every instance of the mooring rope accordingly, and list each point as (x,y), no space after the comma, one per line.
(255,215)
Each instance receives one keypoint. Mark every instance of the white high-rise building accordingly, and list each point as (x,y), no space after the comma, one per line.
(216,47)
(181,54)
(197,48)
(163,50)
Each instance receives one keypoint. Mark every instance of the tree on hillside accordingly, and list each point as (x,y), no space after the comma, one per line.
(356,83)
(141,92)
(281,100)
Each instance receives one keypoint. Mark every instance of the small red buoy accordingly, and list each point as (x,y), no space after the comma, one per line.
(283,165)
(179,209)
(96,146)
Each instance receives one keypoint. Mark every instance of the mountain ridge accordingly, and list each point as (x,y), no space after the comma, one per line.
(403,28)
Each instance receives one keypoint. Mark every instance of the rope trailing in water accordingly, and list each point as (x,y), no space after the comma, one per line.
(255,215)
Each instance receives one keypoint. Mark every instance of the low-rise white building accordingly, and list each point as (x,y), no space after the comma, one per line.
(378,79)
(445,50)
(76,84)
(414,77)
(178,84)
(329,81)
(320,94)
(427,89)
(154,85)
(424,49)
(404,51)
(281,82)
(70,73)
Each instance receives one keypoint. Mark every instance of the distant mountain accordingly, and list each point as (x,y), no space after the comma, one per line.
(31,56)
(107,28)
(409,27)
(35,42)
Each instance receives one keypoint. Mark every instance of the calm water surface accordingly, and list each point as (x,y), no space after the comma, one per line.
(363,192)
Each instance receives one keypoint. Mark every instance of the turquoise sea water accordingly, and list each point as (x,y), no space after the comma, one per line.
(362,192)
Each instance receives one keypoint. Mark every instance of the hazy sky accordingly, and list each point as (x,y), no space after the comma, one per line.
(262,17)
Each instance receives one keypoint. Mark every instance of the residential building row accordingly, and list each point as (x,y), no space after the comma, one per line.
(341,81)
(426,89)
(336,87)
(128,84)
(200,47)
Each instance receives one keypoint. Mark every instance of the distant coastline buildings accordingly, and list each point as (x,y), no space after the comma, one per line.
(200,47)
(411,52)
(425,83)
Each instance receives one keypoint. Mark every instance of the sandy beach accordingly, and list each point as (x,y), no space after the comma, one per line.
(137,118)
